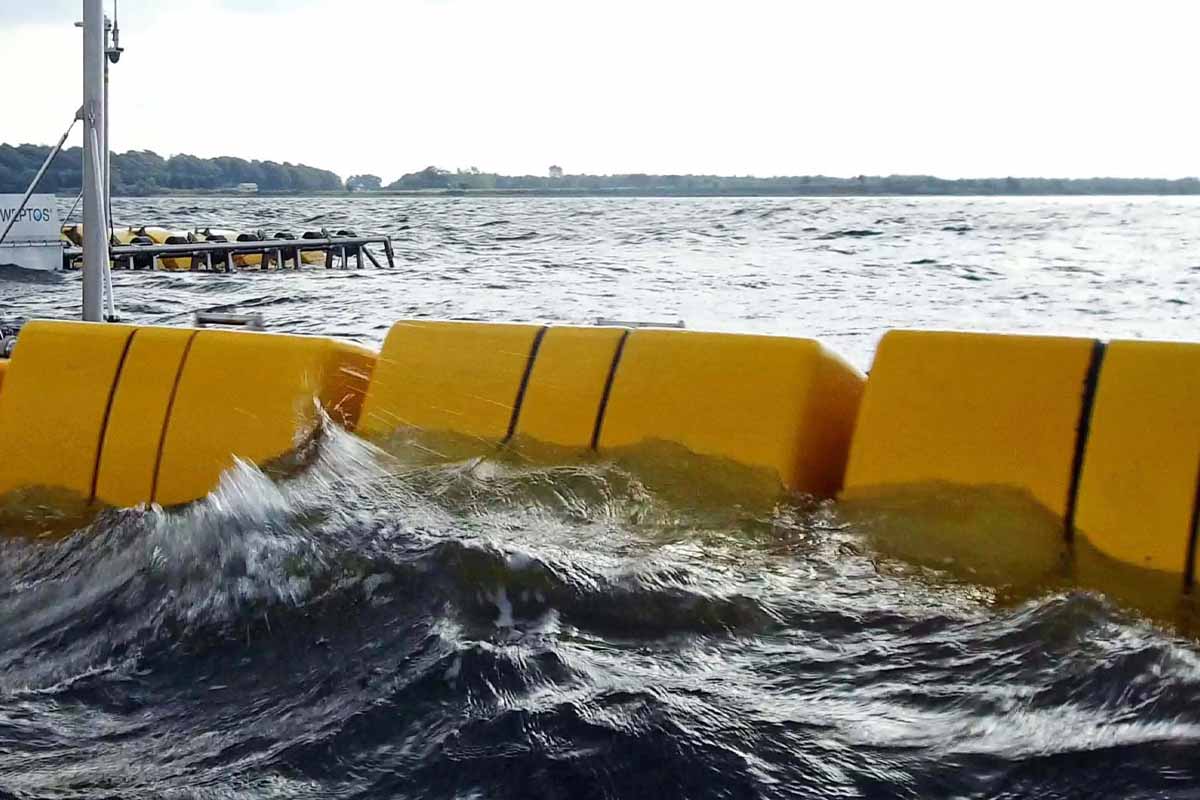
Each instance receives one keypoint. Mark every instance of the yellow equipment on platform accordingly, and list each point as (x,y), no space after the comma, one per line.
(160,236)
(118,237)
(223,235)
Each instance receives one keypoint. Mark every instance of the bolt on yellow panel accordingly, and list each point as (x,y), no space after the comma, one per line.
(461,377)
(252,395)
(55,402)
(972,408)
(567,385)
(1138,484)
(784,404)
(134,433)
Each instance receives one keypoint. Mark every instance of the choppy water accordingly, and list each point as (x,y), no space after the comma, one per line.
(841,269)
(379,625)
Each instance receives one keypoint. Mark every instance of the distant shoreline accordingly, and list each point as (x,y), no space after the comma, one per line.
(633,193)
(147,174)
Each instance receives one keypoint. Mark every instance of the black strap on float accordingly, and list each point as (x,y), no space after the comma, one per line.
(1189,568)
(1082,429)
(520,399)
(608,385)
(108,407)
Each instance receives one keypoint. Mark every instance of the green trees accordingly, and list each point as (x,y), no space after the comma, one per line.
(363,183)
(188,172)
(473,178)
(19,164)
(146,172)
(428,178)
(143,172)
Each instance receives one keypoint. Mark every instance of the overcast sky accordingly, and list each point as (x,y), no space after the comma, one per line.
(764,87)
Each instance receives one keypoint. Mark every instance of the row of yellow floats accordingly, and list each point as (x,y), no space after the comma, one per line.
(1104,435)
(73,234)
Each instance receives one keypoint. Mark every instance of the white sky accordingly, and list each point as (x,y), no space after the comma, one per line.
(765,87)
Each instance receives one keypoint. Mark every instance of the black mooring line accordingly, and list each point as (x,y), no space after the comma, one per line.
(608,385)
(1189,568)
(112,394)
(1082,430)
(516,412)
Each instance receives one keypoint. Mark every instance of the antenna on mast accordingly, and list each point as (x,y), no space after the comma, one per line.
(114,52)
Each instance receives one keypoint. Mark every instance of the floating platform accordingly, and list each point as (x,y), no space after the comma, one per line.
(227,251)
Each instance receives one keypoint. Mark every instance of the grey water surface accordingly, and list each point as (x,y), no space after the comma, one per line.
(842,270)
(651,625)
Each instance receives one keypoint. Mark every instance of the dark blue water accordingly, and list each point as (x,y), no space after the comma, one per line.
(370,622)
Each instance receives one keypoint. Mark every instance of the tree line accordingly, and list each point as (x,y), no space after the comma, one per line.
(143,172)
(473,179)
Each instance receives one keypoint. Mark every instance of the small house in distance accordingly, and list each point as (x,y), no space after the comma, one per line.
(556,171)
(247,188)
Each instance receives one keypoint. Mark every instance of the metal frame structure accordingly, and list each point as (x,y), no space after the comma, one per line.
(97,253)
(281,249)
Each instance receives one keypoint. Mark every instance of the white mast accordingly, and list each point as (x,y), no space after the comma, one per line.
(107,125)
(95,226)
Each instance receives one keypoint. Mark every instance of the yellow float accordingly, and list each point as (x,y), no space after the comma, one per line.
(1104,437)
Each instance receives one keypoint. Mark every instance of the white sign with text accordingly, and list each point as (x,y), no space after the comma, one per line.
(37,222)
(34,242)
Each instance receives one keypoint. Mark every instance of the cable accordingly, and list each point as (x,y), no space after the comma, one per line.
(71,213)
(38,177)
